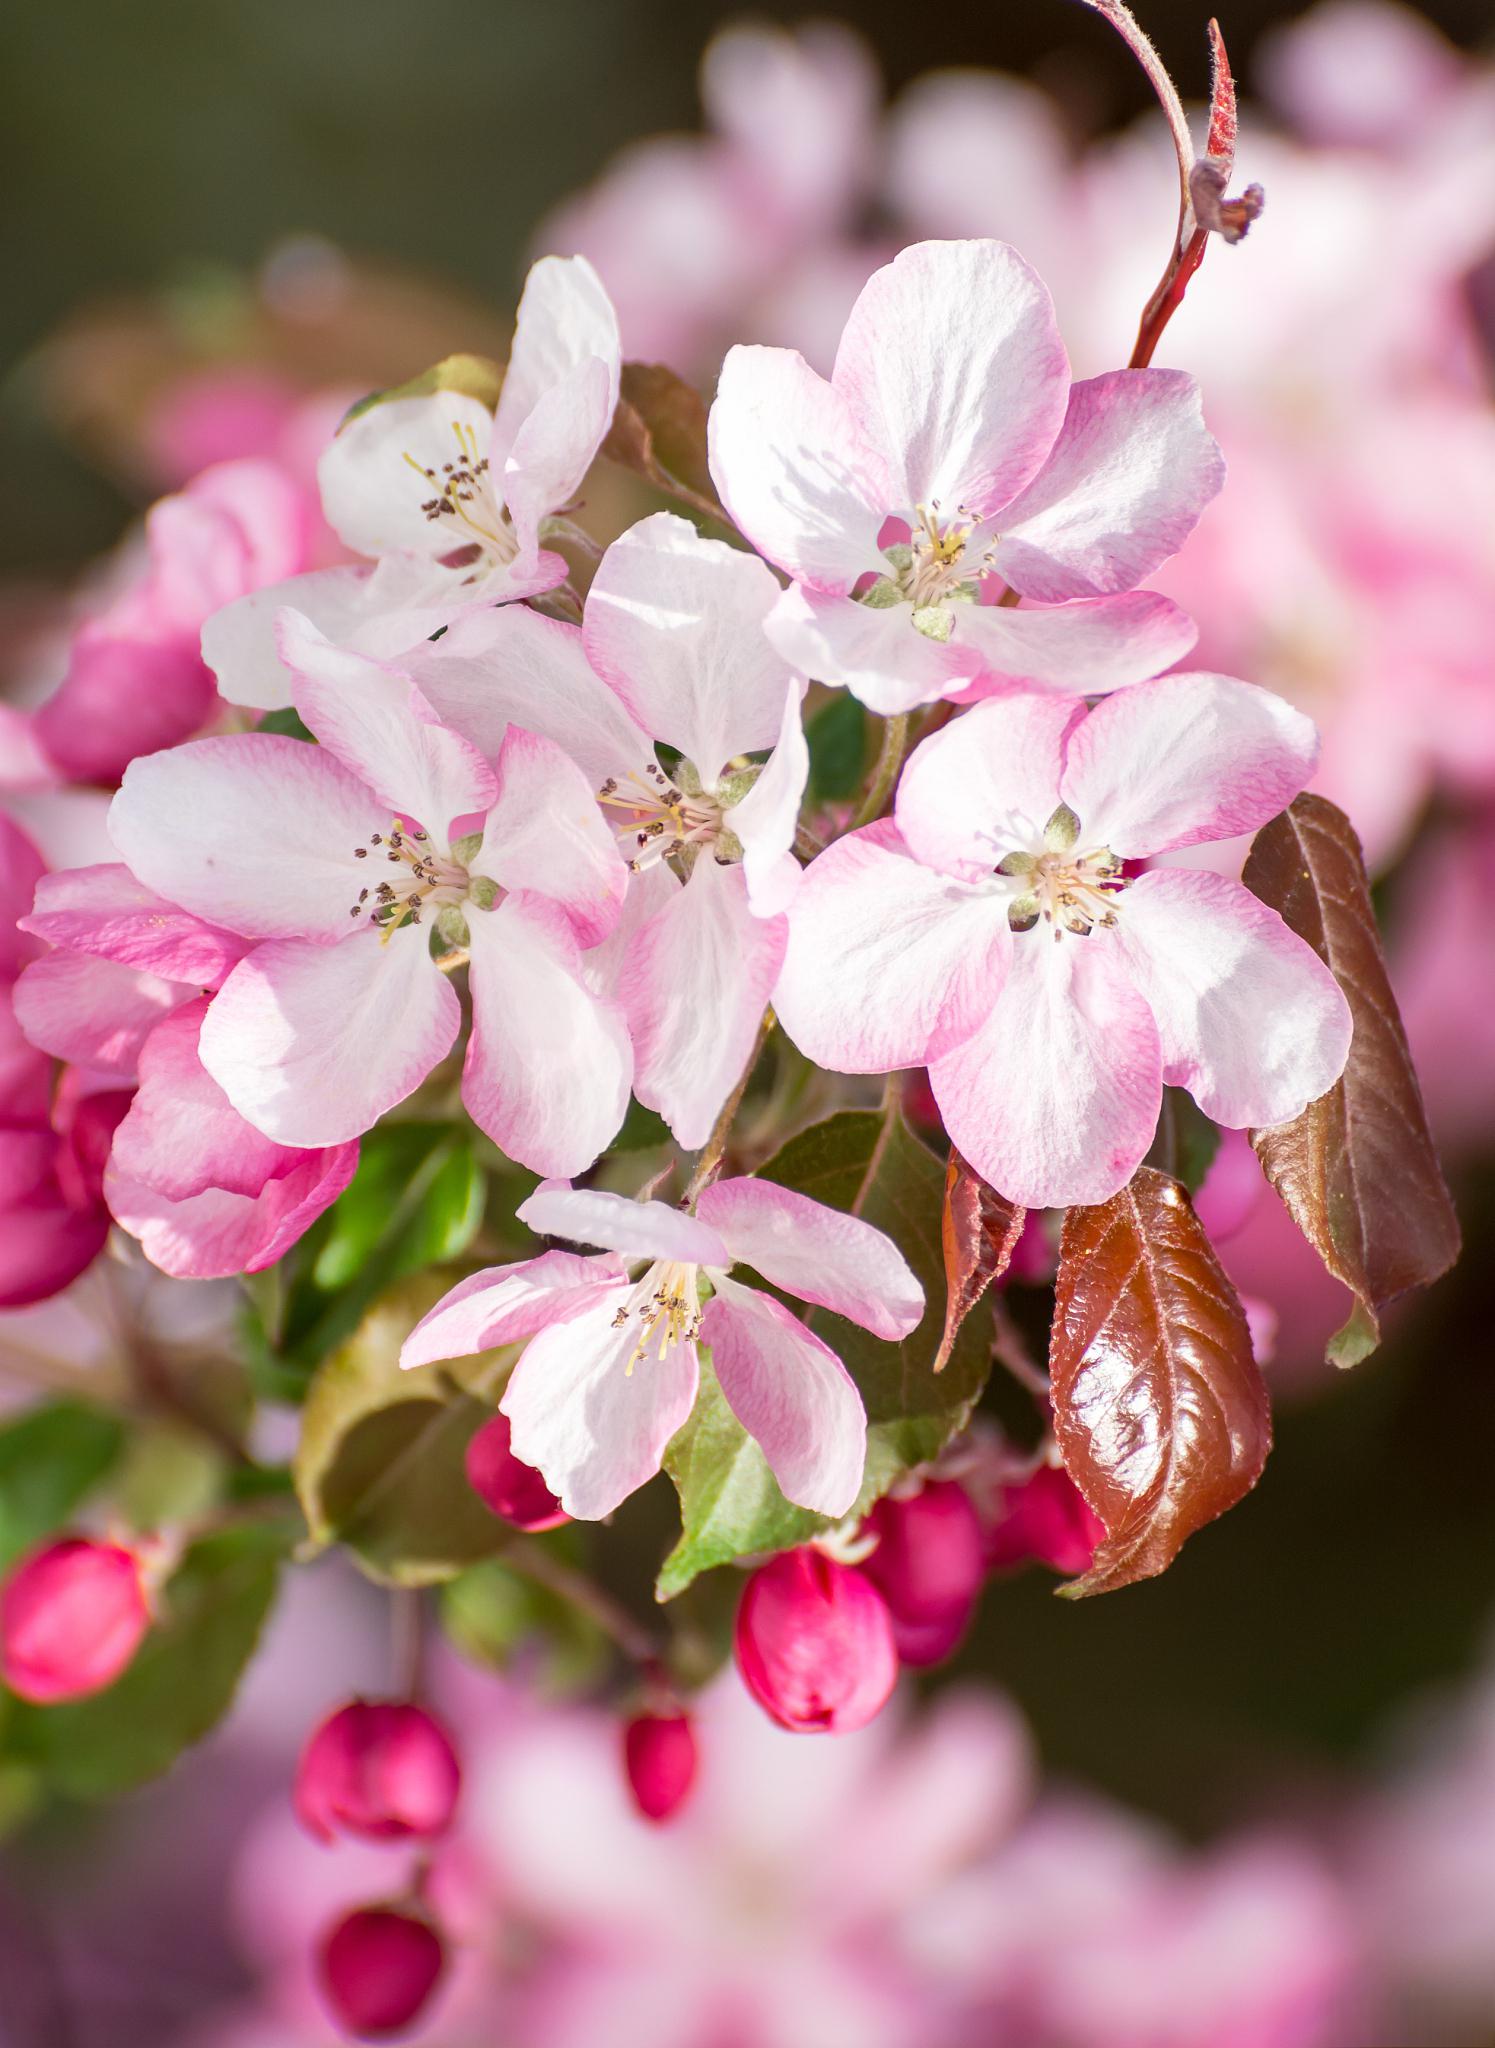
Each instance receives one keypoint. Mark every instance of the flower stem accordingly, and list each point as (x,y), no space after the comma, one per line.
(579,1592)
(885,774)
(708,1166)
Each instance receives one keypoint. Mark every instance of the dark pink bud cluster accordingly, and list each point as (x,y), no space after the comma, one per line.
(928,1565)
(513,1491)
(1044,1519)
(661,1759)
(384,1770)
(379,1966)
(815,1643)
(72,1616)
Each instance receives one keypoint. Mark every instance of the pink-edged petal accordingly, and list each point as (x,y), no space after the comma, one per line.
(1186,759)
(548,1064)
(553,451)
(123,695)
(546,833)
(385,463)
(379,726)
(820,1254)
(593,1429)
(694,985)
(312,1044)
(1055,1099)
(794,469)
(888,963)
(791,1394)
(255,832)
(987,785)
(877,652)
(1251,1021)
(766,820)
(636,1230)
(181,1133)
(1121,491)
(93,1013)
(952,364)
(1093,644)
(504,1303)
(214,1234)
(675,624)
(513,666)
(238,640)
(565,323)
(105,911)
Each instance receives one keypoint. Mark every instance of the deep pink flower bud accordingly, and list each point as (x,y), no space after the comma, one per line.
(1045,1518)
(379,1967)
(514,1491)
(382,1769)
(659,1753)
(928,1565)
(815,1643)
(71,1617)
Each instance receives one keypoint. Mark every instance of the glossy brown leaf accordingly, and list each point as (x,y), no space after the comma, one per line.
(1357,1169)
(1159,1410)
(979,1229)
(659,432)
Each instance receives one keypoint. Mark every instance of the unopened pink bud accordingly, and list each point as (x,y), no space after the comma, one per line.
(928,1565)
(1045,1519)
(382,1769)
(379,1967)
(512,1490)
(71,1618)
(815,1643)
(659,1753)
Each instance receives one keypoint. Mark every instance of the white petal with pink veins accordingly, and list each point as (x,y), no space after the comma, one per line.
(1251,1021)
(637,1230)
(820,1254)
(313,1043)
(504,1303)
(382,468)
(1055,1099)
(767,818)
(987,785)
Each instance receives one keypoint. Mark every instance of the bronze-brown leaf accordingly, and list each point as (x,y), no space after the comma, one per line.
(1357,1169)
(1159,1410)
(980,1229)
(659,432)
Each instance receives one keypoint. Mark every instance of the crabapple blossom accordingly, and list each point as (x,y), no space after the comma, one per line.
(672,650)
(815,1643)
(611,1370)
(72,1616)
(384,1770)
(660,1758)
(511,1490)
(949,458)
(447,498)
(995,928)
(336,861)
(379,1967)
(928,1565)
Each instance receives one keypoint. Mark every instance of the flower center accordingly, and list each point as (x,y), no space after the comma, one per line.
(1069,889)
(665,1305)
(462,499)
(657,817)
(422,879)
(941,563)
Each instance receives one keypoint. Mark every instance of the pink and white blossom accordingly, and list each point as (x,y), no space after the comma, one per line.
(947,461)
(335,862)
(612,1368)
(995,929)
(446,498)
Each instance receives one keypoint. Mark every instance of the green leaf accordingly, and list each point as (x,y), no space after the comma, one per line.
(1186,1141)
(50,1460)
(837,739)
(415,1201)
(181,1682)
(872,1166)
(474,376)
(380,1463)
(288,723)
(641,1131)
